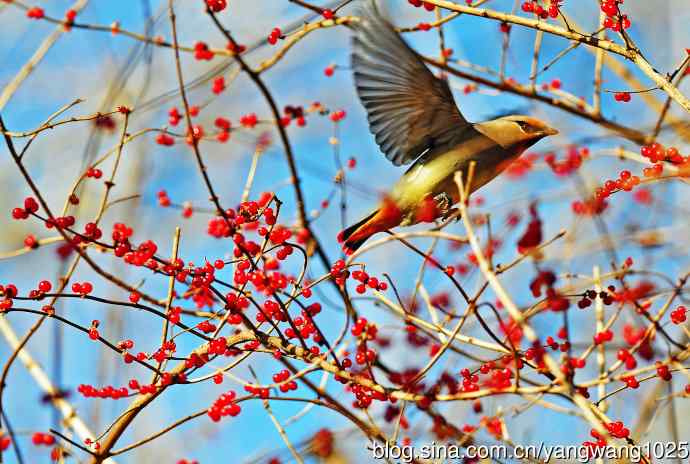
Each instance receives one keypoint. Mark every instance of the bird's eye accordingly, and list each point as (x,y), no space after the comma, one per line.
(525,126)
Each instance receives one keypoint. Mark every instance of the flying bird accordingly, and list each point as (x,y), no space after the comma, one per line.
(413,117)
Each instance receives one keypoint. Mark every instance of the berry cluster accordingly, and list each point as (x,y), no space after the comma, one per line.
(589,207)
(630,381)
(617,429)
(35,13)
(305,325)
(224,126)
(470,381)
(555,84)
(364,330)
(418,3)
(678,315)
(607,297)
(165,140)
(202,51)
(522,165)
(365,396)
(339,272)
(571,163)
(249,120)
(626,181)
(367,281)
(281,378)
(224,406)
(295,113)
(338,116)
(83,288)
(89,391)
(603,337)
(218,85)
(533,6)
(633,294)
(498,378)
(614,19)
(235,48)
(30,207)
(657,153)
(44,287)
(623,97)
(626,357)
(174,116)
(274,36)
(40,438)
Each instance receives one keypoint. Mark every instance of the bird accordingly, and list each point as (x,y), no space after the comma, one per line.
(414,118)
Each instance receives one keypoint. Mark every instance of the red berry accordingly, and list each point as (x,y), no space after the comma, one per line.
(35,13)
(609,8)
(216,5)
(165,140)
(622,97)
(30,205)
(663,372)
(44,286)
(19,213)
(30,241)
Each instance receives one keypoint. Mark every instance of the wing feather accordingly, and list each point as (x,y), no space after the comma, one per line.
(409,110)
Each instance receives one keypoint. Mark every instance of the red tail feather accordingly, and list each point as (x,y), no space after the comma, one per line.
(382,219)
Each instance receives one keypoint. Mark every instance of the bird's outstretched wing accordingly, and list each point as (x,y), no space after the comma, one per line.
(410,111)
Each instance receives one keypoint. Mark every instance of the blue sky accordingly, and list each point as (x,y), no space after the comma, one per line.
(84,63)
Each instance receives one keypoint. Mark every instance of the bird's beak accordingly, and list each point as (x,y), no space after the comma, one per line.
(549,131)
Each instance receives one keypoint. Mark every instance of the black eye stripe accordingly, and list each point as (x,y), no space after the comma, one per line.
(524,126)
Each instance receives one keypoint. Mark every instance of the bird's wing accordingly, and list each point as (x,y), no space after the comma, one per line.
(410,111)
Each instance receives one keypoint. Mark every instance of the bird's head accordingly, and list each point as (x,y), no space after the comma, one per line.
(516,131)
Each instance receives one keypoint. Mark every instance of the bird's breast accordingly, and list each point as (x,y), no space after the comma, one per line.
(435,174)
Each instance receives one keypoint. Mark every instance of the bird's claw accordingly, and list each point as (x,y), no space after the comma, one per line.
(444,204)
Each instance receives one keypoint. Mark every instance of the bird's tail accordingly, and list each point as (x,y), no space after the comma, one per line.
(382,219)
(354,236)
